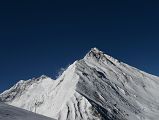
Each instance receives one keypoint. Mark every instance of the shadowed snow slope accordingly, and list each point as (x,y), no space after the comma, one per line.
(97,87)
(8,112)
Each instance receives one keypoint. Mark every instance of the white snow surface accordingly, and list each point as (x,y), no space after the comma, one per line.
(8,112)
(97,87)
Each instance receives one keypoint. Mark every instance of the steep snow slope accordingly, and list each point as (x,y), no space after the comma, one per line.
(95,87)
(8,112)
(116,89)
(57,99)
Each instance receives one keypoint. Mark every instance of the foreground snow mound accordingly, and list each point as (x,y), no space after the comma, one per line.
(97,87)
(8,112)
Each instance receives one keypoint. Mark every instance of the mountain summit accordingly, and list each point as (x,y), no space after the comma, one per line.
(97,87)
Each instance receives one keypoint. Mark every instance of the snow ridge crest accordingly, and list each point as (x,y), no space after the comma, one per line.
(98,55)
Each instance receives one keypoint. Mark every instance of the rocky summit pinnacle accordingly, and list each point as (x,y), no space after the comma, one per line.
(100,56)
(97,87)
(94,52)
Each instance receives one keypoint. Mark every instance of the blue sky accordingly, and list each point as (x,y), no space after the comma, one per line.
(40,37)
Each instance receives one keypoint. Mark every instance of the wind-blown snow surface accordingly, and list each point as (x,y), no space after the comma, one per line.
(8,112)
(97,87)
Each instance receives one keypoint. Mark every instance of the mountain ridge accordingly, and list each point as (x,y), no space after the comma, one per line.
(96,87)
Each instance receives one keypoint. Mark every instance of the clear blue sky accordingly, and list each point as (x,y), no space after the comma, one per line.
(39,37)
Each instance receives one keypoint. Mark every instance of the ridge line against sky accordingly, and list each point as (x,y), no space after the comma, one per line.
(40,37)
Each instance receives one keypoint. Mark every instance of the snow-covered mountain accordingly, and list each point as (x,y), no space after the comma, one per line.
(8,112)
(97,87)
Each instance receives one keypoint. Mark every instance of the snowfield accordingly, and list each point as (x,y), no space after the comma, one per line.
(8,112)
(97,87)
